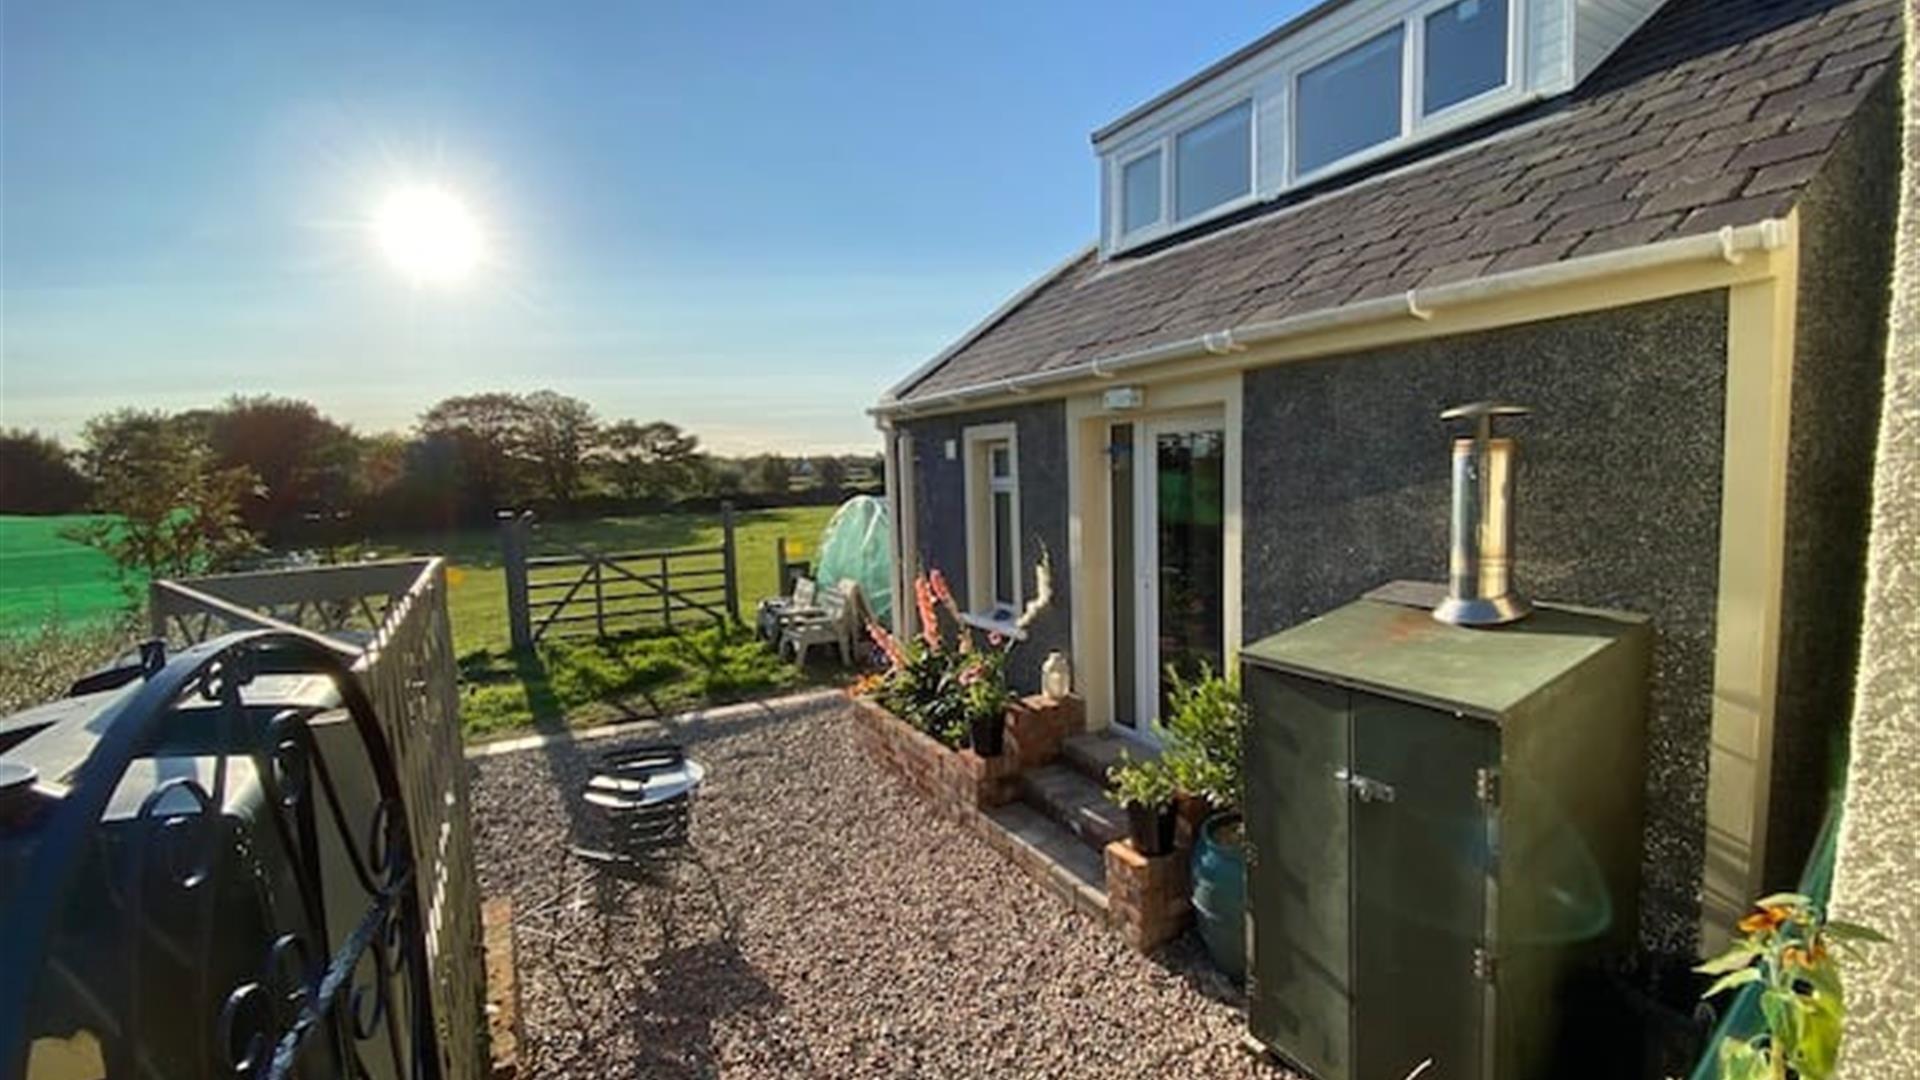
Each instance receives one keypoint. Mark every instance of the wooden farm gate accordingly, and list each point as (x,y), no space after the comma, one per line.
(604,593)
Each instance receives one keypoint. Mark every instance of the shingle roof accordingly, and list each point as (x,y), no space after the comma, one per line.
(1717,112)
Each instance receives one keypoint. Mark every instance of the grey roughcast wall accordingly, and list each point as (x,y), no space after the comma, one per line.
(940,501)
(1346,486)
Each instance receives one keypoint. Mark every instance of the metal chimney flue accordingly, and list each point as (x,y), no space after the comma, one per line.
(1480,588)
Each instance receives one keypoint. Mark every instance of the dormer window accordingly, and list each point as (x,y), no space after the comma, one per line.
(1348,102)
(1140,192)
(1213,161)
(1345,84)
(1464,54)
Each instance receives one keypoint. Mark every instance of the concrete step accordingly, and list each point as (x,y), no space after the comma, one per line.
(1092,754)
(1076,802)
(1055,857)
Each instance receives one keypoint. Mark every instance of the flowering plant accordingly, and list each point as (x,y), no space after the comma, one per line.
(942,678)
(1790,948)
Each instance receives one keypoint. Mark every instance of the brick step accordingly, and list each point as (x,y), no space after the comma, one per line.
(1072,800)
(1092,754)
(1056,858)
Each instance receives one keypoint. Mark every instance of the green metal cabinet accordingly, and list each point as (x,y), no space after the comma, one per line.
(1443,829)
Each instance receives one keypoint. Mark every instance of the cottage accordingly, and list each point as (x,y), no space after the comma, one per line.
(1666,227)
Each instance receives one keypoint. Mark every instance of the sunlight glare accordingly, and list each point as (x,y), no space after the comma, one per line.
(428,234)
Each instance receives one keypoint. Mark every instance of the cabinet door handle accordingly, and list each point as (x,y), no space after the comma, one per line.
(1364,788)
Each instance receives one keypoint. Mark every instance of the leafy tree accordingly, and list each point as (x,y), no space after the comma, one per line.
(652,460)
(830,473)
(37,475)
(485,435)
(769,473)
(178,509)
(560,434)
(304,460)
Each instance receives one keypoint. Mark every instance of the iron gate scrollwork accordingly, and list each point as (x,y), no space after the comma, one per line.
(222,884)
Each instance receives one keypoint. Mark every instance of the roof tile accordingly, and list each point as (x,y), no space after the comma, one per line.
(1545,251)
(1811,140)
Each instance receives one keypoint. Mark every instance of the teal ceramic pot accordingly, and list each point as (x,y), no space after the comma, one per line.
(1220,892)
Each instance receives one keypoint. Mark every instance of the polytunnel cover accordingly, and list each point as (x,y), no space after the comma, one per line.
(858,545)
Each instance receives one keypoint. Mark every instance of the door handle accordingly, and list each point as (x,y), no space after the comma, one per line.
(1364,788)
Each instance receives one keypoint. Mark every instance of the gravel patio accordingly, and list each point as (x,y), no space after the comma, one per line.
(838,929)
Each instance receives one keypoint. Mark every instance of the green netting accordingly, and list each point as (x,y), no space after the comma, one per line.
(858,544)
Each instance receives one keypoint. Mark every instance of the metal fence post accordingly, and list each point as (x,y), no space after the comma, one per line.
(729,562)
(513,559)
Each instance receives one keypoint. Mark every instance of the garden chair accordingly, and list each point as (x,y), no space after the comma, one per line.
(837,623)
(773,613)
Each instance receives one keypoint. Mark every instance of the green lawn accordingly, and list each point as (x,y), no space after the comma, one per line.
(45,579)
(581,681)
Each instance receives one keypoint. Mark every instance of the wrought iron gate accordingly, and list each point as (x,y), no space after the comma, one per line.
(210,871)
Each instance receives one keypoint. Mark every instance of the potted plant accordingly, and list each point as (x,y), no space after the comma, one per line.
(1793,951)
(1202,735)
(983,679)
(1145,789)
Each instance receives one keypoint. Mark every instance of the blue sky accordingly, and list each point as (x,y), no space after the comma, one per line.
(747,218)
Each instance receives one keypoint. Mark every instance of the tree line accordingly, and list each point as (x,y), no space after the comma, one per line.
(200,489)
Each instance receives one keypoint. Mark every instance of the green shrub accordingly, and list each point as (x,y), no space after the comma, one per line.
(1142,783)
(1203,736)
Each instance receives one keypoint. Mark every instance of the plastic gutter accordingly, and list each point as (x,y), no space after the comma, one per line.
(1730,244)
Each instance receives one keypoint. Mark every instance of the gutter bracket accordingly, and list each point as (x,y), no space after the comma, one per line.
(1221,343)
(1414,309)
(1728,252)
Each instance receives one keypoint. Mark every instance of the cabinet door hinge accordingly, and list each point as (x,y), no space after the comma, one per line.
(1484,964)
(1486,786)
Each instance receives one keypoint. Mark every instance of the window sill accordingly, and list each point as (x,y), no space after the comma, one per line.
(995,622)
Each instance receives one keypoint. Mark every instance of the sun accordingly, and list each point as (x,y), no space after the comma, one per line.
(429,234)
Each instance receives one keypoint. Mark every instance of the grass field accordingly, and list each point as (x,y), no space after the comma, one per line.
(46,581)
(45,578)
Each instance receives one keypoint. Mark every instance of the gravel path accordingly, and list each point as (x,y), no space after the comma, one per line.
(838,929)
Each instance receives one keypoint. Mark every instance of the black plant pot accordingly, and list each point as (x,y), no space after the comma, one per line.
(1150,828)
(987,734)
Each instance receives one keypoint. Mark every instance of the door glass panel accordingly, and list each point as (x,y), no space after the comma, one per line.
(1126,643)
(1189,534)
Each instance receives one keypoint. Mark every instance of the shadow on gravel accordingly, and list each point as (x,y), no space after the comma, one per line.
(1186,957)
(689,991)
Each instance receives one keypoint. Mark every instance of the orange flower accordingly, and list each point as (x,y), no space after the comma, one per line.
(1767,918)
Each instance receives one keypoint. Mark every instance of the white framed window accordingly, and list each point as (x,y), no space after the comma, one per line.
(1316,106)
(1349,102)
(1140,187)
(993,520)
(1464,53)
(1213,161)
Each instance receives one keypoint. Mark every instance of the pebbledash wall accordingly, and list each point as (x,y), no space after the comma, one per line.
(1618,506)
(1846,262)
(941,515)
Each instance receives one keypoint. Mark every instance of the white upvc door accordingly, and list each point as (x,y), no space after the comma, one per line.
(1175,537)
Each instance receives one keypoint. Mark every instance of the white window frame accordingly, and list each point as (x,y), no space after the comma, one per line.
(979,441)
(1271,87)
(1166,143)
(1466,109)
(1159,222)
(1413,123)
